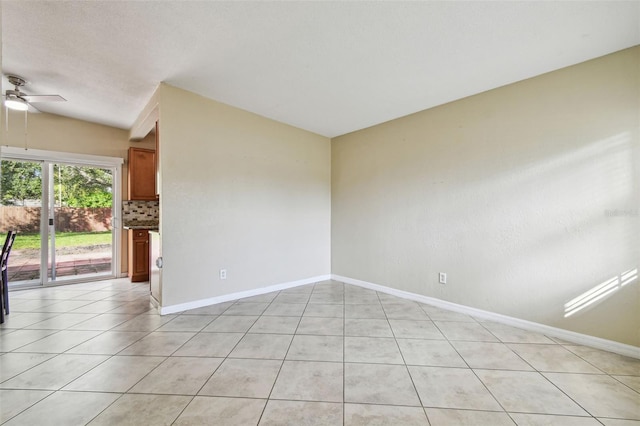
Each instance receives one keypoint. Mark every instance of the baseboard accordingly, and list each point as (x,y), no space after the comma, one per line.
(154,302)
(172,309)
(570,336)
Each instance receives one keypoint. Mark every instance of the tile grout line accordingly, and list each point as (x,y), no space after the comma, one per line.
(483,383)
(406,367)
(127,392)
(55,356)
(214,371)
(27,408)
(476,375)
(132,304)
(486,387)
(535,370)
(344,354)
(286,353)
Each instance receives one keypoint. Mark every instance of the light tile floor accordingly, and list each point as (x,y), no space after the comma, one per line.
(323,354)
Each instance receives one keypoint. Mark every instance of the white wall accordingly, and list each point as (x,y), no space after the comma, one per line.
(238,192)
(507,192)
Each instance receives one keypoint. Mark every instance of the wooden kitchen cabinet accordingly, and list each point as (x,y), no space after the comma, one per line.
(142,174)
(138,255)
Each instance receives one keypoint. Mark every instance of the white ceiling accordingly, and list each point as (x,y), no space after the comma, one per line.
(327,67)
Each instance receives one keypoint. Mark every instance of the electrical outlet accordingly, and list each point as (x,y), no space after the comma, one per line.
(223,274)
(442,277)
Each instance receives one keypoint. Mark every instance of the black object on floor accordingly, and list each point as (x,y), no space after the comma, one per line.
(4,281)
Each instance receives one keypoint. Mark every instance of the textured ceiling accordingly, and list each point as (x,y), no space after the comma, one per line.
(327,67)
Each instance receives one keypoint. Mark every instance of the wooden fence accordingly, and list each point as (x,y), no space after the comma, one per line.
(67,219)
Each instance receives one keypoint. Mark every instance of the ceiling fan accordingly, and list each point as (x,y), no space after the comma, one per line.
(20,101)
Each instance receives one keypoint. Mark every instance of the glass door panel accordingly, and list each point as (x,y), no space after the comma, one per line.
(21,210)
(80,222)
(64,208)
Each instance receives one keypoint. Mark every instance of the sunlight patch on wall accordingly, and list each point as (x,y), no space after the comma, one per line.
(599,292)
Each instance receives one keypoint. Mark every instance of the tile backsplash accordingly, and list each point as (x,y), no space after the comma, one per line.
(135,210)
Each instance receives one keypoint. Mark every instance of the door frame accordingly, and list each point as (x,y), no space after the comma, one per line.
(68,158)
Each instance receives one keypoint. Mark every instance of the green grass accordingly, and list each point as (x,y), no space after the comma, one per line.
(63,239)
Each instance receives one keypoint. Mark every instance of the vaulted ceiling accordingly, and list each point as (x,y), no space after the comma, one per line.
(327,67)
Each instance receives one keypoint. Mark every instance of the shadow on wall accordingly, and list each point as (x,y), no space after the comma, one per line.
(600,292)
(539,228)
(585,204)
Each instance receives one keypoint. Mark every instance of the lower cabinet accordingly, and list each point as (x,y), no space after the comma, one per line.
(138,255)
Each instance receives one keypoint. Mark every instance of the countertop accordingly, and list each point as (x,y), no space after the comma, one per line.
(151,225)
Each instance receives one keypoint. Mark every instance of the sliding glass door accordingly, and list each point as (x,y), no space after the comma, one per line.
(21,187)
(80,227)
(66,216)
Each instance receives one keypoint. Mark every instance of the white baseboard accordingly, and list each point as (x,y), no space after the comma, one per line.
(172,309)
(570,336)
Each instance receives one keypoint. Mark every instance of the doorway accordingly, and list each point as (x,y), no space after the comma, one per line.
(66,210)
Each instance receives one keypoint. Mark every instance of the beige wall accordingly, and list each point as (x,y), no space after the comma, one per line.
(238,192)
(56,133)
(506,192)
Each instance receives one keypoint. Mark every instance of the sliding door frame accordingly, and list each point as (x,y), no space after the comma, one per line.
(66,158)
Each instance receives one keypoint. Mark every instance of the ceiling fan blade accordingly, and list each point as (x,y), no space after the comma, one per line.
(33,109)
(44,98)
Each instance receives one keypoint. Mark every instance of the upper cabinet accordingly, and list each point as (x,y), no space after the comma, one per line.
(142,174)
